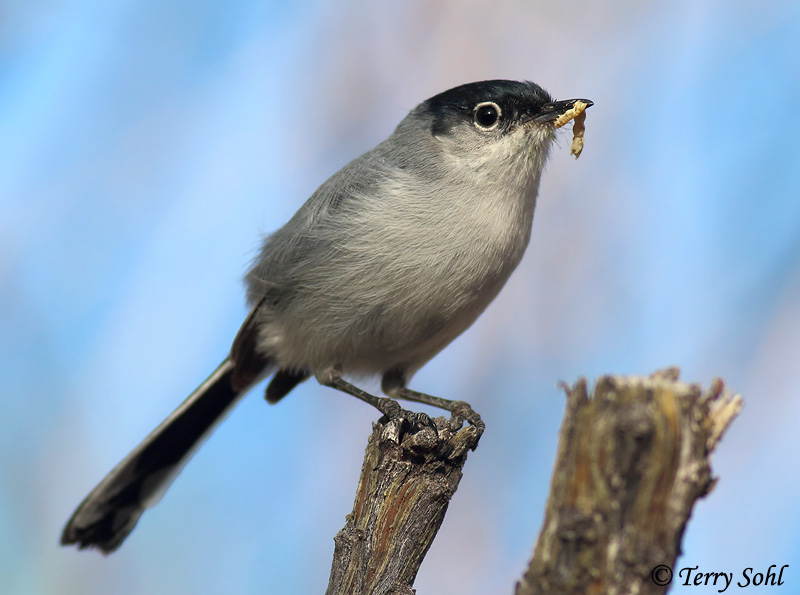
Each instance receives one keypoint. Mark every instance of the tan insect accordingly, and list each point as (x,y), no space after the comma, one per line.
(577,113)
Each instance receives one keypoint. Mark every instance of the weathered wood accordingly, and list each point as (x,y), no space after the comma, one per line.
(410,472)
(632,461)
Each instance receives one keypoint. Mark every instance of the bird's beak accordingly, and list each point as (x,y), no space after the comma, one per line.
(552,111)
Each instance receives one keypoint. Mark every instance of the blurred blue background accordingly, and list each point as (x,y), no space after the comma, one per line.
(146,146)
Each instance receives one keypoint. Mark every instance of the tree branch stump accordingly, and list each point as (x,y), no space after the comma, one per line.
(632,461)
(410,472)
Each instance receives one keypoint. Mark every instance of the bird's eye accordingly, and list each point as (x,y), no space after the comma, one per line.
(487,114)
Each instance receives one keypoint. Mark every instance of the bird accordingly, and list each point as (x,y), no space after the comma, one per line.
(387,262)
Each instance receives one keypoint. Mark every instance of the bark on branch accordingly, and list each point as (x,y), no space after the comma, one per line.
(632,461)
(410,472)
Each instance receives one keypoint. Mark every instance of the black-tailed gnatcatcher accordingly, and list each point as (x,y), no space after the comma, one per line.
(389,260)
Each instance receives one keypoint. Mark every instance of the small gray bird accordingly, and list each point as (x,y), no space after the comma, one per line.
(389,260)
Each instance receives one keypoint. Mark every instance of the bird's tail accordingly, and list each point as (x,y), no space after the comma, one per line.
(111,510)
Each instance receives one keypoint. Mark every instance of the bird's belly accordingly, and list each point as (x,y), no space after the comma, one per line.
(400,324)
(397,308)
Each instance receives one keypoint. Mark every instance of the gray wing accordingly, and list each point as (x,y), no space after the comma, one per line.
(312,232)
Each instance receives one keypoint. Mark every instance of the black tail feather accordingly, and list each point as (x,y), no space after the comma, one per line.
(110,512)
(282,384)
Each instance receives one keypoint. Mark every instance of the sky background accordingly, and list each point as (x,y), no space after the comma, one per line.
(145,147)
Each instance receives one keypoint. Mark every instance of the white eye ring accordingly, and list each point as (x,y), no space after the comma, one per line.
(487,119)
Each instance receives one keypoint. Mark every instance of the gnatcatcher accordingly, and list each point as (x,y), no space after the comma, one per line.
(389,260)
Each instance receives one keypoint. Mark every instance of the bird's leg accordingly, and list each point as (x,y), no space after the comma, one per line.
(332,377)
(460,410)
